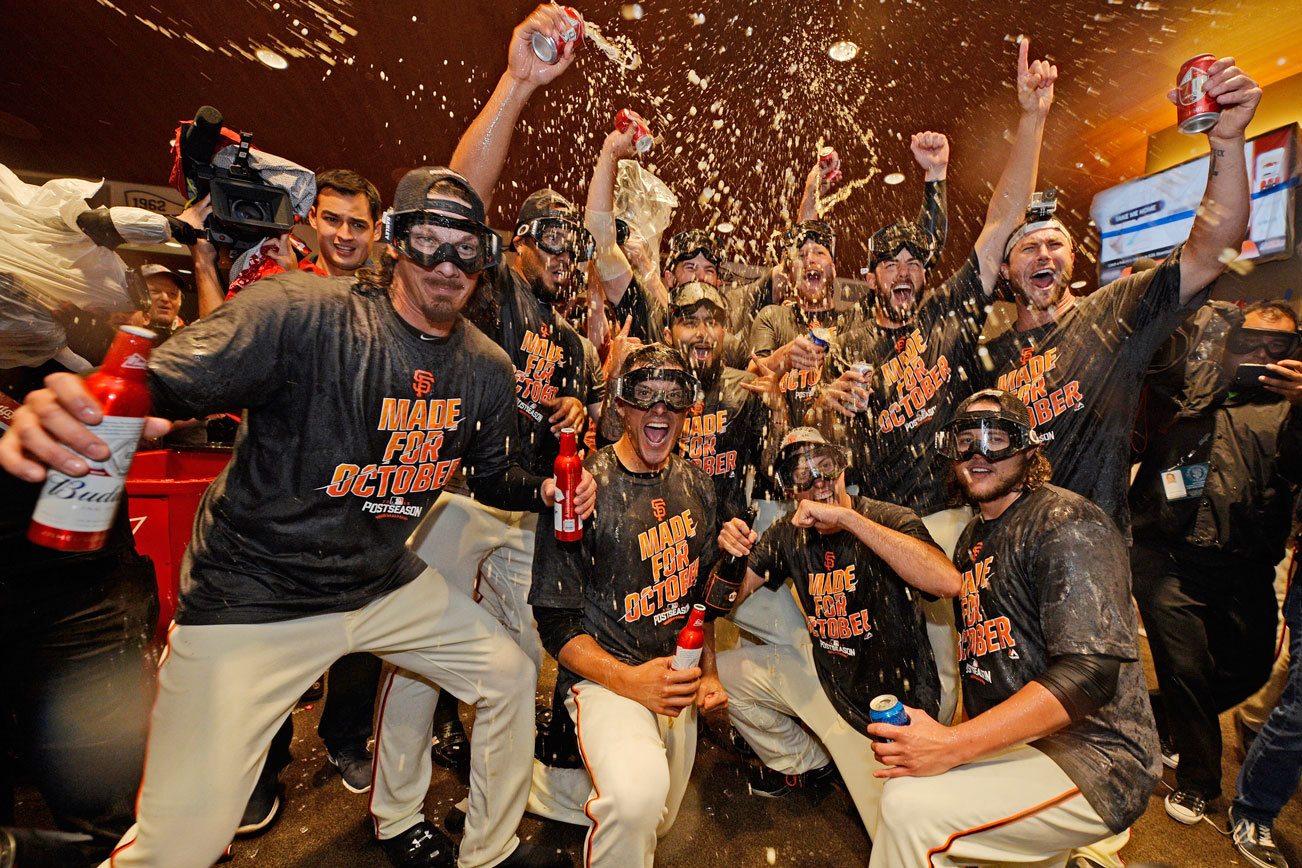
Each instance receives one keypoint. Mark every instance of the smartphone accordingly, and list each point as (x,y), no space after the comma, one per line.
(1245,376)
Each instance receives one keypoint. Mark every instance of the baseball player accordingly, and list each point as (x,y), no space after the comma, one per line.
(609,610)
(362,398)
(1059,750)
(860,568)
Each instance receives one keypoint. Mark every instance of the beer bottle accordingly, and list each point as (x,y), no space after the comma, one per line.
(74,513)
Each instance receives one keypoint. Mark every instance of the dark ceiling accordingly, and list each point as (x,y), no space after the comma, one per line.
(741,92)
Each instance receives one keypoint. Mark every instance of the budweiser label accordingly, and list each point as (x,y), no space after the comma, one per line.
(563,524)
(88,503)
(686,658)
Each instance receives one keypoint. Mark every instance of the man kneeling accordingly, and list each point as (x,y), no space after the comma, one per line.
(609,609)
(858,567)
(1059,750)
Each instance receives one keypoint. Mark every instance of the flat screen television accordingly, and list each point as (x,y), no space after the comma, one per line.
(1148,216)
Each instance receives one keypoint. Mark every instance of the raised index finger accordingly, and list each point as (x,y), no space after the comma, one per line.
(1023,55)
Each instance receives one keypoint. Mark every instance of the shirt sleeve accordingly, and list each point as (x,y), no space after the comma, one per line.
(233,358)
(764,337)
(558,570)
(902,520)
(766,556)
(934,216)
(1082,574)
(1144,309)
(495,428)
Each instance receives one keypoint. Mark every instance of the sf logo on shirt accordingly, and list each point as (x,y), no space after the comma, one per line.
(422,383)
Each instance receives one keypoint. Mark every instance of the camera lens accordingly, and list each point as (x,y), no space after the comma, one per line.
(246,209)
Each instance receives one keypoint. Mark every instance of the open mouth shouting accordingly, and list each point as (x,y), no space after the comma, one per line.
(656,432)
(700,353)
(1044,279)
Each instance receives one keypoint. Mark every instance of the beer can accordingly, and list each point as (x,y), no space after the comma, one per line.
(827,164)
(546,48)
(865,370)
(1196,111)
(887,708)
(821,337)
(642,139)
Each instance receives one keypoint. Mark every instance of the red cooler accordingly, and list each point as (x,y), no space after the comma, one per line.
(163,491)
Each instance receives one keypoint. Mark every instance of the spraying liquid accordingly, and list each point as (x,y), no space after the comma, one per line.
(620,52)
(840,195)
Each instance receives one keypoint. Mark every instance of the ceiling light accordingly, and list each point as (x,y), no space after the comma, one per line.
(271,59)
(843,51)
(1079,284)
(173,244)
(894,178)
(725,228)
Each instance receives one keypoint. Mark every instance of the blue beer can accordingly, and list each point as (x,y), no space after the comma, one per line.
(887,709)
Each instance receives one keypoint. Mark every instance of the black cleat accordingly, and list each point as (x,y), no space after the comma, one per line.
(421,846)
(774,785)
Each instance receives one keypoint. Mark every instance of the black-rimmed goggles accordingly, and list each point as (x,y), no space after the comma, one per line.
(692,243)
(643,388)
(558,236)
(799,235)
(1278,345)
(888,242)
(986,433)
(807,464)
(469,245)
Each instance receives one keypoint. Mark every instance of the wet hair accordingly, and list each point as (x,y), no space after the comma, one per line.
(654,356)
(1273,310)
(481,308)
(349,183)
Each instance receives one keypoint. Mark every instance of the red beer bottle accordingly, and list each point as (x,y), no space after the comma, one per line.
(74,513)
(568,470)
(691,639)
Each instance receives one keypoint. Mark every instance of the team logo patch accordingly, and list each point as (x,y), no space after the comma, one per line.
(658,507)
(829,560)
(1027,353)
(976,550)
(422,382)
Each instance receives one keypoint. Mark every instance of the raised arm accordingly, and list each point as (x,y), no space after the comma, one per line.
(481,153)
(1013,191)
(931,150)
(820,181)
(613,269)
(1222,221)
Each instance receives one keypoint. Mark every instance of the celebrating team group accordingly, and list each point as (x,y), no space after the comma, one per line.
(866,496)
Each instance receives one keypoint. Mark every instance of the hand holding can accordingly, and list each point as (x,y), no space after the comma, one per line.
(547,49)
(1196,110)
(642,139)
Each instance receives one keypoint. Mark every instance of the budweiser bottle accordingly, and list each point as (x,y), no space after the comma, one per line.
(568,470)
(691,639)
(74,513)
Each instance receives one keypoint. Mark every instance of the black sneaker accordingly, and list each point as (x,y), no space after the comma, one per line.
(261,810)
(530,856)
(1256,844)
(1186,807)
(455,821)
(772,785)
(354,766)
(451,748)
(315,692)
(421,846)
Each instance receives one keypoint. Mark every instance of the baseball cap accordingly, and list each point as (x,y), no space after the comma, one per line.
(153,268)
(413,193)
(688,295)
(544,203)
(799,437)
(1011,407)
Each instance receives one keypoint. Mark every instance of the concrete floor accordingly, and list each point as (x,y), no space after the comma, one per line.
(720,823)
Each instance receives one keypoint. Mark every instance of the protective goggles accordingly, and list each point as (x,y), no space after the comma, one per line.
(622,230)
(1277,344)
(558,236)
(428,238)
(797,236)
(803,468)
(693,242)
(643,388)
(887,243)
(985,433)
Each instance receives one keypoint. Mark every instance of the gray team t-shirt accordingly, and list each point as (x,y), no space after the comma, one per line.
(354,424)
(1082,378)
(1050,577)
(638,569)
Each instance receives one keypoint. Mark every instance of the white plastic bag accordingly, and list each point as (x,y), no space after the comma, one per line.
(47,255)
(29,335)
(645,203)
